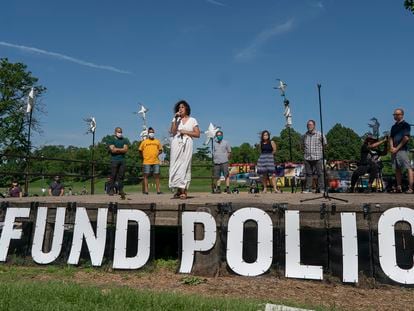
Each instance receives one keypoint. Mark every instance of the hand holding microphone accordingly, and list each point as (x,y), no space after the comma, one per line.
(176,118)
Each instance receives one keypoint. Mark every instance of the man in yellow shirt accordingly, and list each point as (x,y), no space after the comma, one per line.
(150,149)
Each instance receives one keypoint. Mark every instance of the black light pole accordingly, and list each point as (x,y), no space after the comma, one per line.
(93,164)
(30,105)
(212,166)
(325,188)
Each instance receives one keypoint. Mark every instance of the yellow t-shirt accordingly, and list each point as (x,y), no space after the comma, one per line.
(150,150)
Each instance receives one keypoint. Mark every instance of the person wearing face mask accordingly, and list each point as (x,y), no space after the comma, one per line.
(221,156)
(118,147)
(149,150)
(313,144)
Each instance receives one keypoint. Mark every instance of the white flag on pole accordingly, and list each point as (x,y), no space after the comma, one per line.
(30,100)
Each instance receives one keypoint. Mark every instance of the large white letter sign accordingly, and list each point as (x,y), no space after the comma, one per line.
(349,248)
(234,253)
(9,232)
(83,228)
(37,254)
(386,243)
(143,242)
(293,267)
(188,220)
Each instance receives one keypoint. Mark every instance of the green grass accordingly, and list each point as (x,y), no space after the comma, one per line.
(23,295)
(35,187)
(197,185)
(22,289)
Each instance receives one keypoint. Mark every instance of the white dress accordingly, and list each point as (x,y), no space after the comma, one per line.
(180,157)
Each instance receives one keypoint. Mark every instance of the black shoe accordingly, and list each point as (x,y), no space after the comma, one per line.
(159,192)
(145,192)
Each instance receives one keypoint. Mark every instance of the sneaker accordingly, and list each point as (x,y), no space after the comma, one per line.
(409,191)
(306,191)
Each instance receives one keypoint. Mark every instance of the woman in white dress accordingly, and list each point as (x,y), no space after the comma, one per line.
(183,130)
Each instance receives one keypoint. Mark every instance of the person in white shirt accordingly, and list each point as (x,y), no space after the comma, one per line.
(183,130)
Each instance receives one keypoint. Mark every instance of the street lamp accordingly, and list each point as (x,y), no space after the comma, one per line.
(30,104)
(91,129)
(210,134)
(288,117)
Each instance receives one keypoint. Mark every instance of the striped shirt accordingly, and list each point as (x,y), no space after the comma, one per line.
(312,145)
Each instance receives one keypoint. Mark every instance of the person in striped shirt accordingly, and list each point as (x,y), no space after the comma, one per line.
(313,144)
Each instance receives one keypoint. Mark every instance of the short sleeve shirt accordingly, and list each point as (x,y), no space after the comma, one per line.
(189,125)
(221,152)
(150,149)
(56,188)
(312,144)
(398,131)
(118,143)
(15,192)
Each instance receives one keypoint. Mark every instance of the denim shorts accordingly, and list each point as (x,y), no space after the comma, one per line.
(151,168)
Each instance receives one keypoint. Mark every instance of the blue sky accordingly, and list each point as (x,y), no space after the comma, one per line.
(101,58)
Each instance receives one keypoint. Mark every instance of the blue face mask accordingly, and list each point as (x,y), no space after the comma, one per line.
(219,138)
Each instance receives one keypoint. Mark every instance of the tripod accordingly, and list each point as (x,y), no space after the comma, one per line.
(325,194)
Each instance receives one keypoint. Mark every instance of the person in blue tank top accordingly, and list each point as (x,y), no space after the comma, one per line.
(266,162)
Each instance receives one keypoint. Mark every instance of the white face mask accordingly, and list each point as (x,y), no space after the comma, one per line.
(151,135)
(119,135)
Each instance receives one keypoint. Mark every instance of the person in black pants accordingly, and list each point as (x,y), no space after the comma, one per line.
(118,146)
(369,161)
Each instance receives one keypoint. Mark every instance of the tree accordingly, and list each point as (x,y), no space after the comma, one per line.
(202,154)
(15,84)
(343,143)
(282,143)
(244,154)
(409,5)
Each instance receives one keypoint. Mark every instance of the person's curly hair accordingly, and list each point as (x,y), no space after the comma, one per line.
(186,105)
